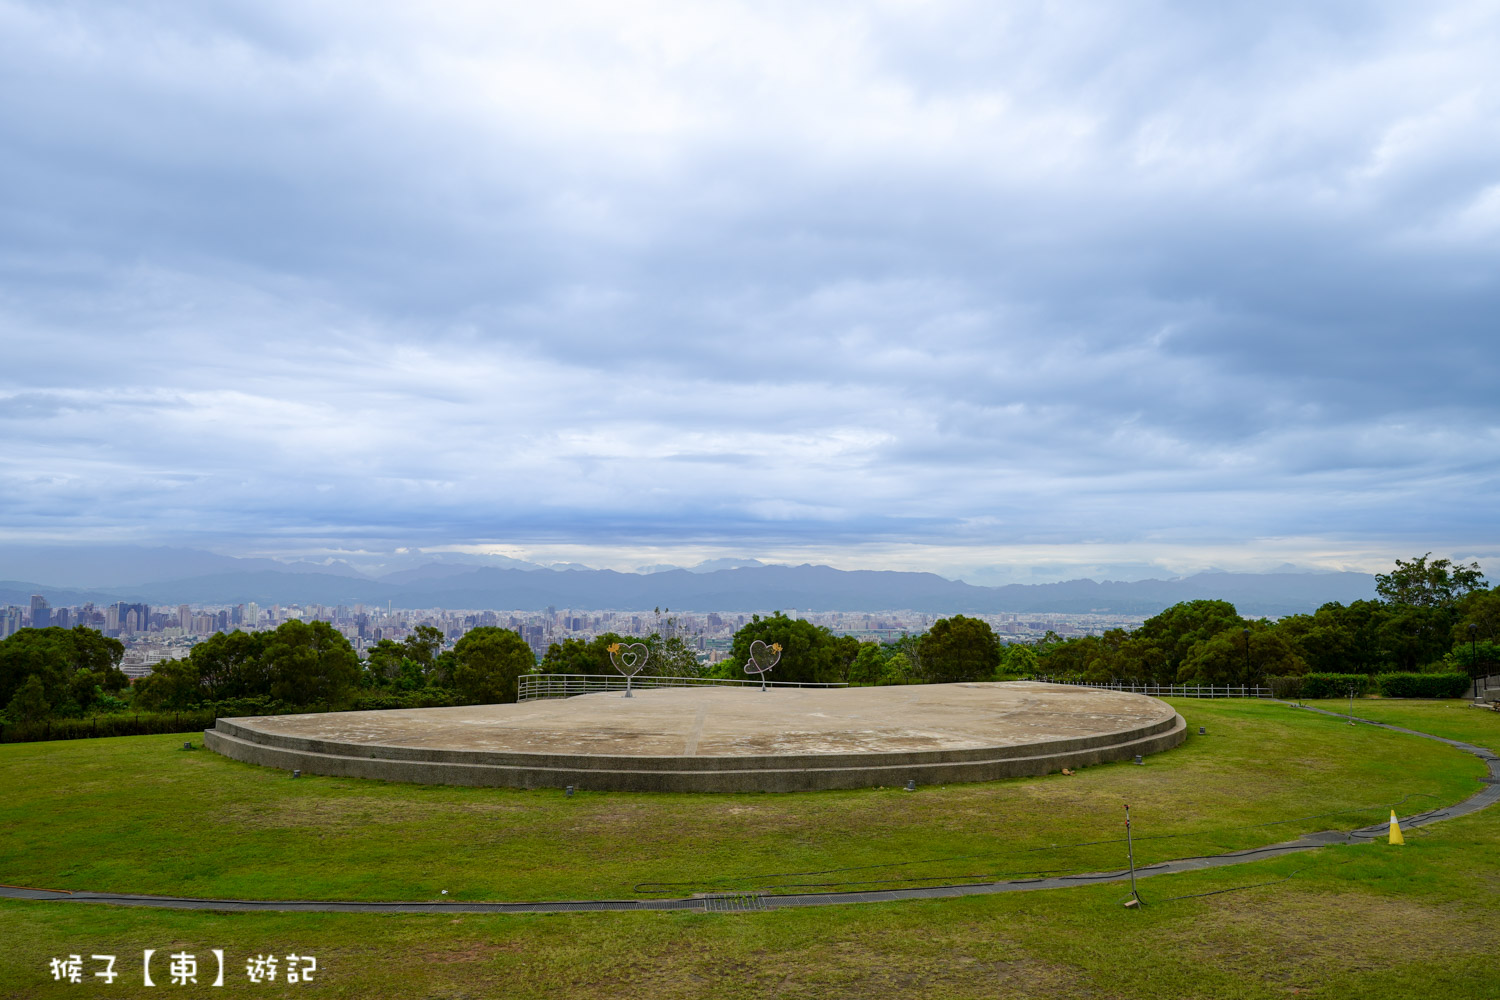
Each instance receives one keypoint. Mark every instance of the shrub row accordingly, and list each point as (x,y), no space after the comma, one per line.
(433,697)
(1335,685)
(204,716)
(1423,685)
(1388,685)
(139,724)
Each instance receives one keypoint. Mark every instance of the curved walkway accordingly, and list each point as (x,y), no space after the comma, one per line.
(1487,796)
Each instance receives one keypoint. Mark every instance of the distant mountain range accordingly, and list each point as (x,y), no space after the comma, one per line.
(459,585)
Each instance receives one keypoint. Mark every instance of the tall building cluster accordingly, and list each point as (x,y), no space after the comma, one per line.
(153,633)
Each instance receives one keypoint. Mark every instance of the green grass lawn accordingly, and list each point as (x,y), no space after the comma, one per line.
(136,814)
(1365,922)
(1453,719)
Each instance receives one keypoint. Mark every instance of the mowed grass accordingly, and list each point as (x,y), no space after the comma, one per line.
(1454,719)
(138,814)
(1371,921)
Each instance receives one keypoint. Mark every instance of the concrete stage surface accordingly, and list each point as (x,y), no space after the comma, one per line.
(722,739)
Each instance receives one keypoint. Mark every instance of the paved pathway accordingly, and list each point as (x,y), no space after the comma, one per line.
(1487,796)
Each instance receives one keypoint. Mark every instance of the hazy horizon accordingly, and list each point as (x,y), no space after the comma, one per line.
(102,567)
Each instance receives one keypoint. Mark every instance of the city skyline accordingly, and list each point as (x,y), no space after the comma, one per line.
(154,633)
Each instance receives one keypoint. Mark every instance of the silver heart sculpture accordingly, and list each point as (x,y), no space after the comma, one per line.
(629,660)
(763,657)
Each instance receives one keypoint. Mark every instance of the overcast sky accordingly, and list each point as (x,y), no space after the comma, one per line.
(1006,291)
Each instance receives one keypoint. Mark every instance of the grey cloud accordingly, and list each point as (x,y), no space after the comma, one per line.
(965,273)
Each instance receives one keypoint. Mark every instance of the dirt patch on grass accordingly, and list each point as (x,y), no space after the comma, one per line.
(471,952)
(1309,935)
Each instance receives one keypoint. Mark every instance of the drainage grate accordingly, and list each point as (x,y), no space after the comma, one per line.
(734,902)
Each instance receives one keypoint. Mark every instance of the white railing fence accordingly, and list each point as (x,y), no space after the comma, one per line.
(1176,690)
(533,686)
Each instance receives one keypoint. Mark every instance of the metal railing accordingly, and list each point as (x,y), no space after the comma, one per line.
(1176,690)
(532,686)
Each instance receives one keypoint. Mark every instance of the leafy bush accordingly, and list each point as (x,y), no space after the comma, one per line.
(1422,685)
(140,724)
(433,697)
(1286,688)
(1335,685)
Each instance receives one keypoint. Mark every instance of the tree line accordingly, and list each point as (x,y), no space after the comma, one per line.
(1430,616)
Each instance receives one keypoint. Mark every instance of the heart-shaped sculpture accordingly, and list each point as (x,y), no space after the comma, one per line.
(629,660)
(763,657)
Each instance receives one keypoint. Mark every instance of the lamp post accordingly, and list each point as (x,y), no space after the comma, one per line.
(1246,634)
(1473,658)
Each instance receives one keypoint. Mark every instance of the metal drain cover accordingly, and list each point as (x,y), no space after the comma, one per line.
(733,902)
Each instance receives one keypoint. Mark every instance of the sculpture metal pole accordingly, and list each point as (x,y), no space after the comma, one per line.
(762,659)
(629,660)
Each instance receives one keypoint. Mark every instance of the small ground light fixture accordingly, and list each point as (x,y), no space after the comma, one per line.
(188,745)
(296,772)
(1139,759)
(911,785)
(1202,730)
(569,791)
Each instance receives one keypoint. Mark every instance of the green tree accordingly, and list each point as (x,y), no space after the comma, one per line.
(383,662)
(1338,640)
(670,656)
(868,665)
(571,656)
(423,644)
(225,665)
(666,656)
(808,651)
(909,669)
(55,656)
(1482,610)
(171,684)
(1229,658)
(1477,659)
(30,701)
(1423,597)
(898,669)
(1419,583)
(1019,660)
(841,658)
(487,664)
(959,649)
(1082,657)
(310,663)
(1476,635)
(1165,640)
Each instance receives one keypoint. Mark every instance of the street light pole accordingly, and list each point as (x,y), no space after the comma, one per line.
(1473,658)
(1246,634)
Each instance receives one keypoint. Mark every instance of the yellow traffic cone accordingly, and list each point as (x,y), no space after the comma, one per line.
(1396,837)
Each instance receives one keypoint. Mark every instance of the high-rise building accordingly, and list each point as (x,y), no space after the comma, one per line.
(128,618)
(252,614)
(184,618)
(41,612)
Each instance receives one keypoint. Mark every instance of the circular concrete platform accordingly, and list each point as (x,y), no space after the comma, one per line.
(714,739)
